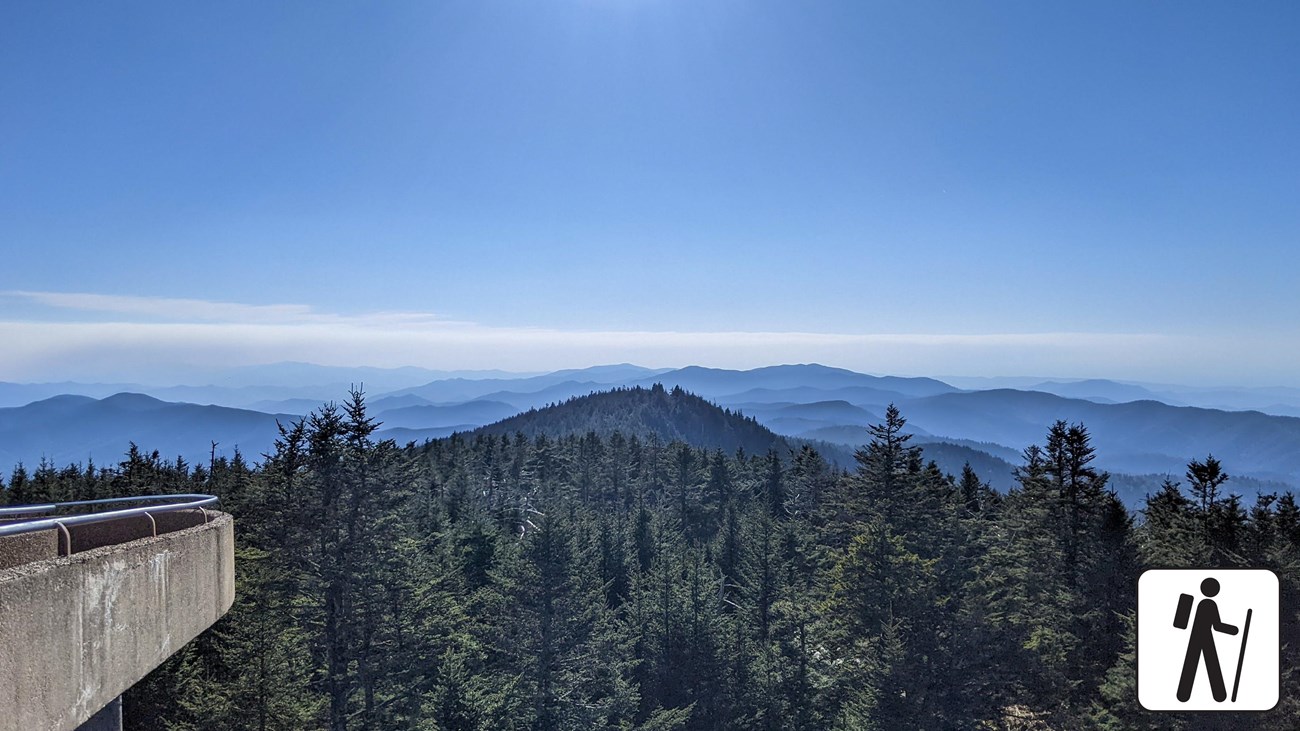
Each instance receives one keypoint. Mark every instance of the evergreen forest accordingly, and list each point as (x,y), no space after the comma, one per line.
(604,576)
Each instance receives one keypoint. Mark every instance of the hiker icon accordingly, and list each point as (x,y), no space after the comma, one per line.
(1222,651)
(1201,645)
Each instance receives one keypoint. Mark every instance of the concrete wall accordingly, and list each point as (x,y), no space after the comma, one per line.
(77,631)
(27,547)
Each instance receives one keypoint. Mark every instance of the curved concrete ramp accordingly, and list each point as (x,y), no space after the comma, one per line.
(77,631)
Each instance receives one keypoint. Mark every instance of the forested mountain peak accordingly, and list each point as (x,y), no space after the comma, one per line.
(672,415)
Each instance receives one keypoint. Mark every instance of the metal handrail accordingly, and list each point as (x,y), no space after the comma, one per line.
(31,525)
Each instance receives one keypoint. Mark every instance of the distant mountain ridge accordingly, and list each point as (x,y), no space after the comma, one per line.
(259,386)
(1137,437)
(830,406)
(1096,389)
(75,429)
(428,416)
(717,381)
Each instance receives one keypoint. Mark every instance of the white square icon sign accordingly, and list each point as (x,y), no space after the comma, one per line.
(1208,640)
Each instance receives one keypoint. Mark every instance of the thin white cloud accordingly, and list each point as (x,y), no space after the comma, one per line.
(168,309)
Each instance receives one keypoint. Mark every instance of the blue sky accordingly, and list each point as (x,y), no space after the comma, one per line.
(1086,189)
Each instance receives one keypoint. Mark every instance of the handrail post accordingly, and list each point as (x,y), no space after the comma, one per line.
(67,538)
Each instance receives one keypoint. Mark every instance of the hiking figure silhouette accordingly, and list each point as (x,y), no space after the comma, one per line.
(1201,643)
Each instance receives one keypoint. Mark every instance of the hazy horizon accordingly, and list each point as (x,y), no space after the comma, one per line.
(254,374)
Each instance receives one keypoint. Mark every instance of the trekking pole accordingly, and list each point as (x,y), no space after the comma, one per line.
(1241,657)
